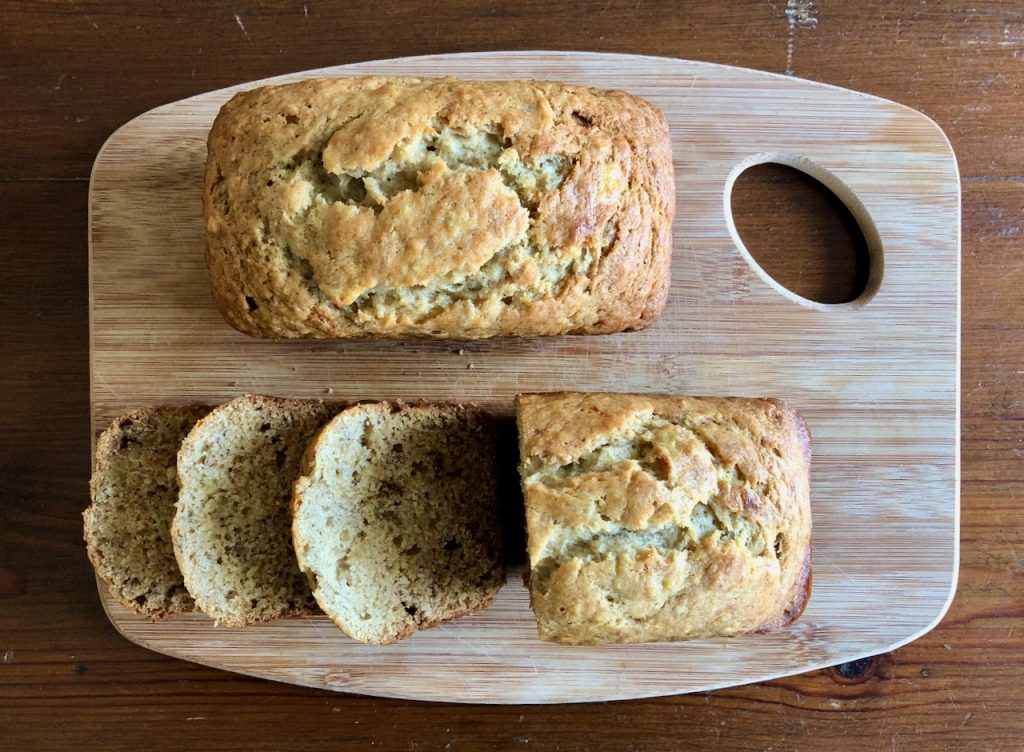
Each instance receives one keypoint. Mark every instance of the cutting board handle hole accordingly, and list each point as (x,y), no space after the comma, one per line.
(831,255)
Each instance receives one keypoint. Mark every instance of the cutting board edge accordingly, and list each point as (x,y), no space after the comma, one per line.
(520,698)
(332,71)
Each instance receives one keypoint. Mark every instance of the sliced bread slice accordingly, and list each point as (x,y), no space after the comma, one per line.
(396,519)
(231,531)
(128,524)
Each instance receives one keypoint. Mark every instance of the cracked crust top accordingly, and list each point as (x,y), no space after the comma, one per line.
(655,518)
(434,207)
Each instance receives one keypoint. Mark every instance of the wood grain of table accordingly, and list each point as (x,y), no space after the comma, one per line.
(72,72)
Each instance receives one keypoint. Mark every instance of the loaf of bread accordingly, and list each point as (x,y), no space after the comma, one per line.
(128,524)
(232,528)
(396,519)
(399,207)
(664,518)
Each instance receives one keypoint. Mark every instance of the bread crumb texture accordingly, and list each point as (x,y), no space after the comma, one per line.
(438,208)
(231,530)
(658,518)
(396,519)
(128,524)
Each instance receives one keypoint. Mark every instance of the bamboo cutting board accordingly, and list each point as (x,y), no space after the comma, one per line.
(876,379)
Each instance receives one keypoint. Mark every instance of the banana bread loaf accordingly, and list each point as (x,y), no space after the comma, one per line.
(399,207)
(658,518)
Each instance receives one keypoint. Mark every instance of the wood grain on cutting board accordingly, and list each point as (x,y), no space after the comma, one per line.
(876,379)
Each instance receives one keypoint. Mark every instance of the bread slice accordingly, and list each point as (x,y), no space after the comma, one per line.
(396,519)
(128,524)
(232,527)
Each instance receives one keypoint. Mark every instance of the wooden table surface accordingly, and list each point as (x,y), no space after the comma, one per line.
(72,72)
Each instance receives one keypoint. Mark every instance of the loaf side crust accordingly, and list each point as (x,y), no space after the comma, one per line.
(398,207)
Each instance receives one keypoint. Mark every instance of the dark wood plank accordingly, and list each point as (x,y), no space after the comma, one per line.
(76,71)
(72,72)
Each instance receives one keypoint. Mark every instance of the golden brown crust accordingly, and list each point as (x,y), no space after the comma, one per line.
(401,207)
(656,517)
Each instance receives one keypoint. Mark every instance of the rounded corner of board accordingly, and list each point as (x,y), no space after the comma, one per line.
(115,622)
(928,127)
(108,145)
